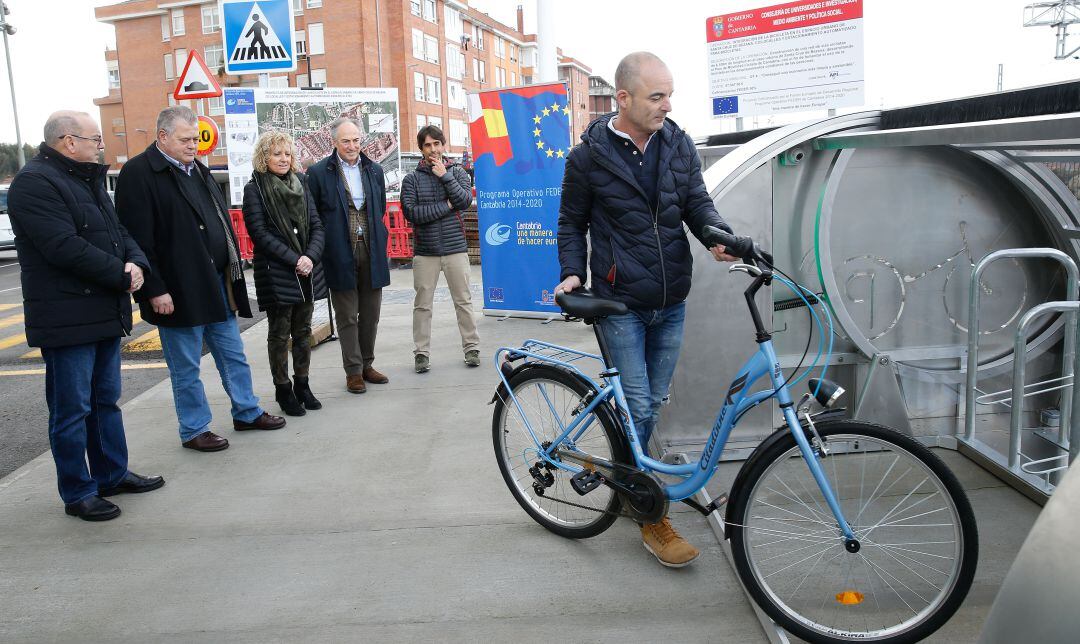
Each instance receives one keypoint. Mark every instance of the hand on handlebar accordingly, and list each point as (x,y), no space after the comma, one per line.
(733,246)
(719,252)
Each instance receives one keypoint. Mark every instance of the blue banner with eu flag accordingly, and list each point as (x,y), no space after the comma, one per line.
(520,138)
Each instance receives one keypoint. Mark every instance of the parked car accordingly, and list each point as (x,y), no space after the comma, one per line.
(7,238)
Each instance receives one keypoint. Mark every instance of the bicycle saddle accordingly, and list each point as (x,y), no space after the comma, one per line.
(583,304)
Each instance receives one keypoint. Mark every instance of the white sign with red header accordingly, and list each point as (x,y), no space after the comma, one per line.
(791,57)
(196,81)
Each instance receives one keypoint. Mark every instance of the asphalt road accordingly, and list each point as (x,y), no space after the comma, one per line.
(24,416)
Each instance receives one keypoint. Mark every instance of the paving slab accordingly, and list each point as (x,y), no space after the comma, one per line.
(381,517)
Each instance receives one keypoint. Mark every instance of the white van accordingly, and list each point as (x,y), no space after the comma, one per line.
(7,238)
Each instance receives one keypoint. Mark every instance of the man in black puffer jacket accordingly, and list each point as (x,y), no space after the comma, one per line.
(432,199)
(78,266)
(630,186)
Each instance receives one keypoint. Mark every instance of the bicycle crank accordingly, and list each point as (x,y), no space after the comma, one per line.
(641,491)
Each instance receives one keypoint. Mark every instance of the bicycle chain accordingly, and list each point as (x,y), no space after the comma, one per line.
(586,507)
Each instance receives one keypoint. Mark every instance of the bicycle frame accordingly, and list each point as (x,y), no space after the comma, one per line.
(738,400)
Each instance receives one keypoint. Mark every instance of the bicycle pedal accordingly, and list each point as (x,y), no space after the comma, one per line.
(586,481)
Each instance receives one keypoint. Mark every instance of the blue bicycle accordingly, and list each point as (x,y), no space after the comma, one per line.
(840,530)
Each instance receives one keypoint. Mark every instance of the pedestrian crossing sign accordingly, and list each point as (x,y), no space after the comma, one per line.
(258,36)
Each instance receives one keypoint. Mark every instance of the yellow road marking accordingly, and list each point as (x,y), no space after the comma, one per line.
(12,341)
(146,342)
(36,353)
(8,307)
(41,371)
(12,320)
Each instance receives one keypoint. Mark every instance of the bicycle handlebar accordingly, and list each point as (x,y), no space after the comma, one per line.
(737,245)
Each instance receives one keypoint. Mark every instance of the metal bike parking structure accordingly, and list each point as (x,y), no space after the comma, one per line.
(890,222)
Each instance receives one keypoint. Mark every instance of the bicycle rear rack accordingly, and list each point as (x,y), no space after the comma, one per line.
(1030,476)
(539,350)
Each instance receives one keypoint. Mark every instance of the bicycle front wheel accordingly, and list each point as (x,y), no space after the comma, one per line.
(548,400)
(917,535)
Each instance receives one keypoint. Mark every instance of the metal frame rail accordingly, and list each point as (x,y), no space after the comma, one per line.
(1029,477)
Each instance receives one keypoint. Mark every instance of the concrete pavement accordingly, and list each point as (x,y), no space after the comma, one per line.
(382,517)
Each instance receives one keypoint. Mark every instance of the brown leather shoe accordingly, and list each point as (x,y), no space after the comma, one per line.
(374,377)
(266,421)
(207,442)
(355,384)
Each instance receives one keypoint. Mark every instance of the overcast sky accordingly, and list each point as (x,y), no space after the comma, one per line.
(915,51)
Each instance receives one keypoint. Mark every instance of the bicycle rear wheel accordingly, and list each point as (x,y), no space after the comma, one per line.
(549,398)
(917,534)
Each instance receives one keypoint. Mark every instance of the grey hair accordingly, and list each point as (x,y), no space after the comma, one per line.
(342,120)
(630,68)
(62,123)
(168,118)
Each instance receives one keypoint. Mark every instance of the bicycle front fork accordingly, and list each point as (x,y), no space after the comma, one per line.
(812,461)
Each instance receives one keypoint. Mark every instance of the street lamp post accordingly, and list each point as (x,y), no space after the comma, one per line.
(8,29)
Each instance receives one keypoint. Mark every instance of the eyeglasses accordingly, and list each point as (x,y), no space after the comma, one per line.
(96,139)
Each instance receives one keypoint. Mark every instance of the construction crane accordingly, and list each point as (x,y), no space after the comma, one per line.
(1058,15)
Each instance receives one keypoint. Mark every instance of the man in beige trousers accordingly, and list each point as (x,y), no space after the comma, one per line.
(432,198)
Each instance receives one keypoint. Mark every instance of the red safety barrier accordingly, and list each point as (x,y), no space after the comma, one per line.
(247,247)
(399,242)
(398,245)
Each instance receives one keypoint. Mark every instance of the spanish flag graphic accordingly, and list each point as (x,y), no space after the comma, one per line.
(529,125)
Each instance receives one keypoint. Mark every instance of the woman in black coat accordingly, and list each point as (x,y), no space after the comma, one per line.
(288,236)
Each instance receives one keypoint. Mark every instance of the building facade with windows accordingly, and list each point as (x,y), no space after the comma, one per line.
(433,51)
(576,76)
(601,97)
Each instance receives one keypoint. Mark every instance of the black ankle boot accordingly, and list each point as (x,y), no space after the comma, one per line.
(303,393)
(287,400)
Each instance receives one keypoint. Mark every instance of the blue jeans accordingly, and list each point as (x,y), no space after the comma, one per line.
(182,347)
(644,347)
(82,386)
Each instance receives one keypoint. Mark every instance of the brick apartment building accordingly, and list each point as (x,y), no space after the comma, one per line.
(432,51)
(601,97)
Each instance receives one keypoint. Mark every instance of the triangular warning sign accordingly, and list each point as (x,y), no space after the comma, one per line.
(258,42)
(196,81)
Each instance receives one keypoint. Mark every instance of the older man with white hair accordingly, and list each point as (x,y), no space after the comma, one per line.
(78,266)
(178,215)
(350,193)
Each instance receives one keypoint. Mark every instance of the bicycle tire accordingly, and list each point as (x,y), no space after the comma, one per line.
(602,438)
(923,565)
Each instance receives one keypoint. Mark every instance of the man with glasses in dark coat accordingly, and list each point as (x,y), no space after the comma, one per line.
(78,266)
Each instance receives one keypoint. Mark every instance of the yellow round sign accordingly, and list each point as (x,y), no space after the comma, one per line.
(208,136)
